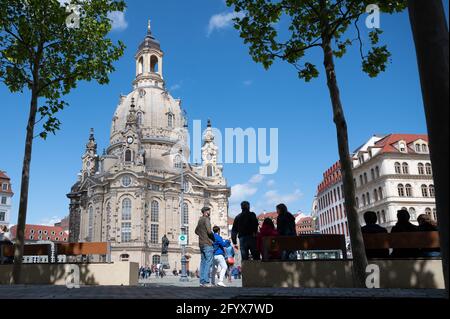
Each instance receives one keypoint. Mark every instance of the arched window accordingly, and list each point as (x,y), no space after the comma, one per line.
(375,194)
(364,199)
(421,169)
(408,190)
(156,259)
(431,191)
(372,173)
(412,212)
(418,148)
(383,216)
(124,257)
(401,190)
(141,65)
(210,171)
(398,169)
(377,171)
(361,180)
(424,148)
(126,232)
(424,190)
(154,212)
(365,178)
(380,192)
(428,169)
(185,214)
(178,163)
(128,156)
(405,168)
(402,147)
(428,211)
(91,224)
(368,198)
(154,64)
(139,119)
(357,202)
(126,209)
(434,214)
(170,120)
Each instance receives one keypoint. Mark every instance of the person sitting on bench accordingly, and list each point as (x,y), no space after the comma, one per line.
(404,226)
(267,230)
(427,224)
(372,227)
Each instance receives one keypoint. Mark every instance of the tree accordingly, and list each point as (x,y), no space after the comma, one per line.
(430,32)
(321,24)
(47,49)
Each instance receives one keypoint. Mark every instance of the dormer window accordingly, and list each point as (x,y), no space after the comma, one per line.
(402,147)
(424,148)
(418,149)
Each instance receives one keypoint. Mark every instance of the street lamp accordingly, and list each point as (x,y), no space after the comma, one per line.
(184,276)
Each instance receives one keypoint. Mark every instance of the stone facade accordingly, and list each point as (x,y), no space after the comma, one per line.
(130,195)
(6,195)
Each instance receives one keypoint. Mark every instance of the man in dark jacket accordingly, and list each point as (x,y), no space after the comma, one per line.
(245,227)
(404,226)
(205,240)
(372,227)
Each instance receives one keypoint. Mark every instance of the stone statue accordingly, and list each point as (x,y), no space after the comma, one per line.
(165,245)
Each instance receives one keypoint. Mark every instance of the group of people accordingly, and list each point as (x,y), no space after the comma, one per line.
(403,225)
(217,254)
(5,239)
(146,272)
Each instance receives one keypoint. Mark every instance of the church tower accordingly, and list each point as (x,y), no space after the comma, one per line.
(149,62)
(90,157)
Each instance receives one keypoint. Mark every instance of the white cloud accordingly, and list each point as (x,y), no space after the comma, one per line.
(256,179)
(175,87)
(273,197)
(50,221)
(118,21)
(222,20)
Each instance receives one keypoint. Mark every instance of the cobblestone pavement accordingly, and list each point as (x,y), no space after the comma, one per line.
(166,290)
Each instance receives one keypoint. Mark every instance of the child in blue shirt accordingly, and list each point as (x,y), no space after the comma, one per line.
(219,263)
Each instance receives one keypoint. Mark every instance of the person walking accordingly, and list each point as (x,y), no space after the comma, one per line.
(285,226)
(205,240)
(245,227)
(219,261)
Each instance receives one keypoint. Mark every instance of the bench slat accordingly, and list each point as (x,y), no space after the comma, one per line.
(77,249)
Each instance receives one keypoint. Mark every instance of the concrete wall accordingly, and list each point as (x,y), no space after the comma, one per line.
(115,274)
(338,274)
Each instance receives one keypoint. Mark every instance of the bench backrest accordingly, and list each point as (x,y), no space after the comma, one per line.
(402,240)
(68,249)
(304,242)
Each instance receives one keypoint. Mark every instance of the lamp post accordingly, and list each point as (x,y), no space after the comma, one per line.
(184,276)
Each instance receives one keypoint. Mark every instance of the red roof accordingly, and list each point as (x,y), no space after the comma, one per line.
(3,175)
(33,232)
(387,142)
(263,216)
(5,178)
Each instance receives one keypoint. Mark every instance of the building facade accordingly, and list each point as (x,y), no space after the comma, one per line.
(391,172)
(130,195)
(6,195)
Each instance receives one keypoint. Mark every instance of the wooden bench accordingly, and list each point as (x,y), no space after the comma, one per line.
(411,240)
(67,249)
(303,242)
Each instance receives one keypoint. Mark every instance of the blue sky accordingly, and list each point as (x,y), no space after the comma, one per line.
(207,65)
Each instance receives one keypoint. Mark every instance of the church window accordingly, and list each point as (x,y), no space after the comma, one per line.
(170,120)
(154,233)
(178,163)
(90,223)
(209,171)
(154,212)
(185,186)
(128,156)
(185,214)
(141,65)
(156,259)
(126,232)
(126,181)
(154,64)
(126,209)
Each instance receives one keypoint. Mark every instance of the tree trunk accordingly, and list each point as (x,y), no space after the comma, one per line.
(356,239)
(21,220)
(430,32)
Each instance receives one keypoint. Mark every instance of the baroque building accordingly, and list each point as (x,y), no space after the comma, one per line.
(130,195)
(391,172)
(6,195)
